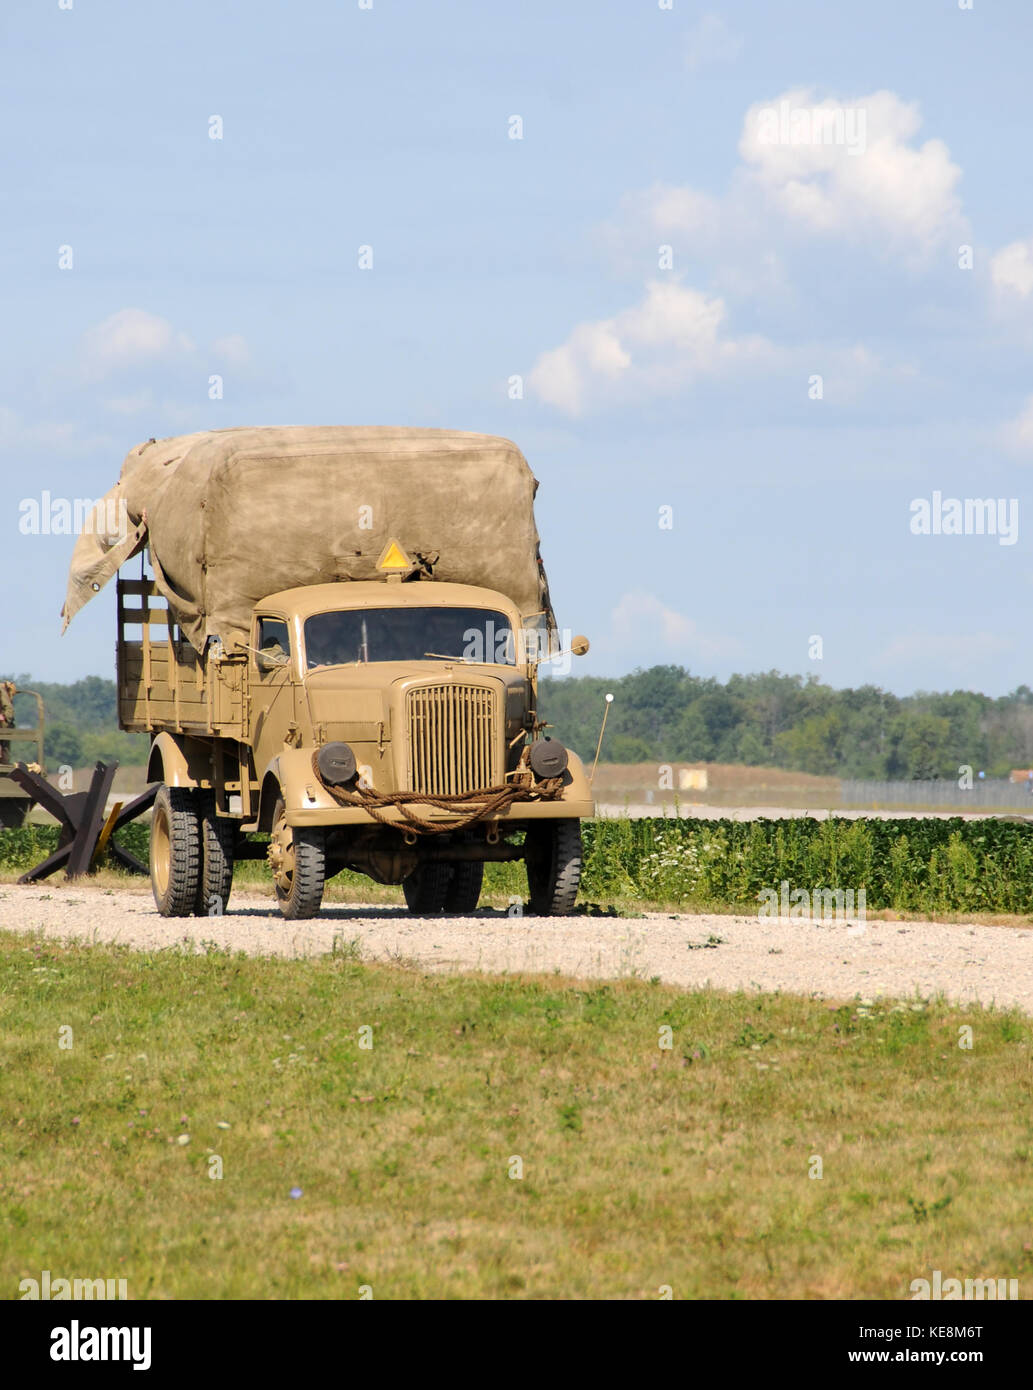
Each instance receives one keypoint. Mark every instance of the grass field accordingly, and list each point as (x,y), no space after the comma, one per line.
(643,1167)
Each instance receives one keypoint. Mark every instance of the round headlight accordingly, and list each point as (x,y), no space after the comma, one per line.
(548,758)
(336,763)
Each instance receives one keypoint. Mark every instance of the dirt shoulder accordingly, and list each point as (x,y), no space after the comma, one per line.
(963,962)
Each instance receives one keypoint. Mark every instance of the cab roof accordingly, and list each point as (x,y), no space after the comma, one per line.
(308,599)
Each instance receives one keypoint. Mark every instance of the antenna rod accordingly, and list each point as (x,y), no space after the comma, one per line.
(606,711)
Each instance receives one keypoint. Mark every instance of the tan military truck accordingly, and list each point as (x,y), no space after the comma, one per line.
(338,646)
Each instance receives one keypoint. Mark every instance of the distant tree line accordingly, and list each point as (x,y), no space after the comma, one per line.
(80,722)
(665,714)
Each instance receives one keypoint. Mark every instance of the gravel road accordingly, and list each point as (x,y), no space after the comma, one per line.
(993,965)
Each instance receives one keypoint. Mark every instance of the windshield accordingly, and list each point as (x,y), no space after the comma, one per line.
(408,634)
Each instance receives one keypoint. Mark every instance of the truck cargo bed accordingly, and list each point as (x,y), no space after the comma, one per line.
(163,683)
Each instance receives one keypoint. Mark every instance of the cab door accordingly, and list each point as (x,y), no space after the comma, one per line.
(272,687)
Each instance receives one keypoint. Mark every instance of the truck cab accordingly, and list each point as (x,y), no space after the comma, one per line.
(422,682)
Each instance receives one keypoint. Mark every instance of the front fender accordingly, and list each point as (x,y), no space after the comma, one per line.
(579,788)
(289,775)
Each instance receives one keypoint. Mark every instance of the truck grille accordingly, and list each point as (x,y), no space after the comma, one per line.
(453,739)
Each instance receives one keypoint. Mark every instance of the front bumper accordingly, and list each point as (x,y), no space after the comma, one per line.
(307,802)
(521,811)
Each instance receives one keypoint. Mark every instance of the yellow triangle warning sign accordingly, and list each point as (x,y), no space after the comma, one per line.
(394,557)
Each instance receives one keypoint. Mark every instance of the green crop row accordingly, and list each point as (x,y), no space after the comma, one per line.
(907,864)
(21,848)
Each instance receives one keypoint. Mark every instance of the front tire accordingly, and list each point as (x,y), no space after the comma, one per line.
(297,855)
(554,853)
(426,889)
(464,887)
(175,853)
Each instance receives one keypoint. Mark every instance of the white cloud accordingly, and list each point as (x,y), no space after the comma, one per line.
(676,336)
(730,234)
(1011,270)
(640,620)
(670,337)
(150,363)
(233,349)
(710,40)
(851,173)
(130,337)
(1017,434)
(847,169)
(55,436)
(853,168)
(672,209)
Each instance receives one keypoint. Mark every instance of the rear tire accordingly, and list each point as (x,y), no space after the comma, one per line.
(464,887)
(175,854)
(426,889)
(299,869)
(554,852)
(218,844)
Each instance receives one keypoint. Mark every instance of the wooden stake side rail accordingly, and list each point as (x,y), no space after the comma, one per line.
(164,684)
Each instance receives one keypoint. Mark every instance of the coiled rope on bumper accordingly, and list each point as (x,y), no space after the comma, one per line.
(486,804)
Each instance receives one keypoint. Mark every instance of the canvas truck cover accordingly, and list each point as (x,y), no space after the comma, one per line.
(231,516)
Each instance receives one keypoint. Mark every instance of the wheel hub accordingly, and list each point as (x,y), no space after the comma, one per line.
(281,855)
(161,851)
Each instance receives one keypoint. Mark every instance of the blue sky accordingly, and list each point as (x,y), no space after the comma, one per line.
(686,384)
